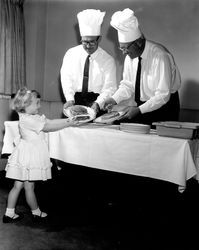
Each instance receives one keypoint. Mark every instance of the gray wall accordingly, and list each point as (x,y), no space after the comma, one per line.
(51,28)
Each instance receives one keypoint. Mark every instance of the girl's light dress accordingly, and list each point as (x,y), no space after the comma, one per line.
(30,158)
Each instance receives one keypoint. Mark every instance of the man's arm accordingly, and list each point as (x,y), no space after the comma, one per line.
(110,82)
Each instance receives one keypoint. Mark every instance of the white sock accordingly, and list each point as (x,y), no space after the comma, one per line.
(39,212)
(10,212)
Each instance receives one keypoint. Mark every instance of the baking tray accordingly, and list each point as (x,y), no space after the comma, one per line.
(185,130)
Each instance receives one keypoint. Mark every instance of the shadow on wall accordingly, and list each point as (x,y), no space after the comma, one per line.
(189,98)
(113,38)
(189,94)
(77,33)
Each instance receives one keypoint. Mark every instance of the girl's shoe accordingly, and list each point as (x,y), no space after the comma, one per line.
(7,219)
(39,218)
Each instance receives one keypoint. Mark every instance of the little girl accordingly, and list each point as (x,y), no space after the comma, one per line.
(30,159)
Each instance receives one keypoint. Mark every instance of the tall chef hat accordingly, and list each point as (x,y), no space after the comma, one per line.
(90,21)
(127,25)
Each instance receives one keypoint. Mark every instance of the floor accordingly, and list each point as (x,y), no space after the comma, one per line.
(99,210)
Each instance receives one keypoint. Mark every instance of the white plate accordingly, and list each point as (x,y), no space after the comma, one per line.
(91,113)
(110,120)
(135,128)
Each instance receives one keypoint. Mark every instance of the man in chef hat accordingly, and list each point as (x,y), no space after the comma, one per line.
(150,75)
(102,68)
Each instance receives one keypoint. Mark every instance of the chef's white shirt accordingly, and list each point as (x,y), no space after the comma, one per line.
(159,78)
(102,73)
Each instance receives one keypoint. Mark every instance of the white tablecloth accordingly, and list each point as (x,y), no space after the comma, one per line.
(163,158)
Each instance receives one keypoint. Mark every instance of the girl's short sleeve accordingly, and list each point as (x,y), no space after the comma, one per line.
(32,122)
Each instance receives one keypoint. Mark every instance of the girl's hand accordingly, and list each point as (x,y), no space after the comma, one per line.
(73,121)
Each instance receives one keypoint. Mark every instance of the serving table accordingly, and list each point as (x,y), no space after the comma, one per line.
(170,159)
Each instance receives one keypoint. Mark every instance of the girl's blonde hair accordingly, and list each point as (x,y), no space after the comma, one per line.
(22,99)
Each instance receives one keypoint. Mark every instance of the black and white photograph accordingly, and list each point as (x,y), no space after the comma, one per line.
(99,124)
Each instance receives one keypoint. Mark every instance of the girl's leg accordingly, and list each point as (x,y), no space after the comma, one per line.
(30,194)
(32,200)
(12,199)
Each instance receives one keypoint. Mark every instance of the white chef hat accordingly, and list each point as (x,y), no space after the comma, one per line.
(127,25)
(90,21)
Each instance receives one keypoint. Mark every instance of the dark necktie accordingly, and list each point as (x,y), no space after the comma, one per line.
(85,76)
(137,83)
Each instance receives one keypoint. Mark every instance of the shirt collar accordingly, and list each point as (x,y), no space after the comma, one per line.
(146,49)
(95,54)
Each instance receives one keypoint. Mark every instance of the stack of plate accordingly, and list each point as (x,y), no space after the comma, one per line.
(135,128)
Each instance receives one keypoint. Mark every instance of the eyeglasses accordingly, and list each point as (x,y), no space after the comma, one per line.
(137,44)
(126,49)
(91,43)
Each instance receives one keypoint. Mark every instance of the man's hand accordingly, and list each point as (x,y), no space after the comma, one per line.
(109,103)
(96,107)
(68,104)
(130,112)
